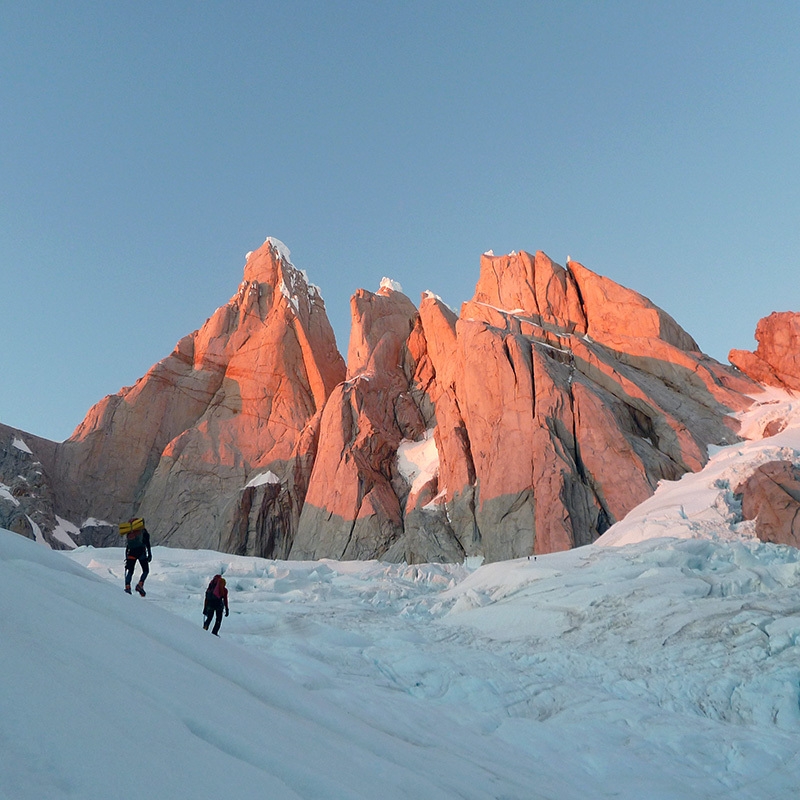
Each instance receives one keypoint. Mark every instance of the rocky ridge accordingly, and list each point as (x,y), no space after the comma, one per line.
(776,360)
(530,422)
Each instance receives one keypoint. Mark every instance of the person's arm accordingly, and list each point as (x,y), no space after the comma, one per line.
(225,598)
(147,545)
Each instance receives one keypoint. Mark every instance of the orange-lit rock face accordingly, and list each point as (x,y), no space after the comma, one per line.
(776,361)
(559,400)
(548,408)
(351,509)
(232,397)
(771,497)
(533,286)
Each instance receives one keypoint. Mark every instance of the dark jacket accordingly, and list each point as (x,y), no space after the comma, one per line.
(217,593)
(138,544)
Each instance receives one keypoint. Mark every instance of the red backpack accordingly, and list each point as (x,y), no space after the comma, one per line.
(211,595)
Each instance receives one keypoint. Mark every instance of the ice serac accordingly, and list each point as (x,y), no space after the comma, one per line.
(776,360)
(231,401)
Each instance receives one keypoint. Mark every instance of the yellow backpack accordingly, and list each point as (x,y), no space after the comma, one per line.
(135,524)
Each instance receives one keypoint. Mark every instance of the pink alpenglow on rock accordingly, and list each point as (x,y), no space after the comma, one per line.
(776,361)
(231,400)
(771,496)
(548,408)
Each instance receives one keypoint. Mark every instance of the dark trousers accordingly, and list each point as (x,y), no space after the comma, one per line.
(209,611)
(130,565)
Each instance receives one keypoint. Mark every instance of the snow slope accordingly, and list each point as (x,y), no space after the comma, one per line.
(702,503)
(662,668)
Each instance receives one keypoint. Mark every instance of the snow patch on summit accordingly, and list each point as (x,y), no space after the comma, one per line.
(432,296)
(281,249)
(391,285)
(297,278)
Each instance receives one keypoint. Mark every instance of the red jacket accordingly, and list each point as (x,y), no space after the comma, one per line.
(217,592)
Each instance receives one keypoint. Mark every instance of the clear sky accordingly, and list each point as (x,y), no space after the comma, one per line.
(146,147)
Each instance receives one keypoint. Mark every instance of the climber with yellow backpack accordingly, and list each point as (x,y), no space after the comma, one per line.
(137,548)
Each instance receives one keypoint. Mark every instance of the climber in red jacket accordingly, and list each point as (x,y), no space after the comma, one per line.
(216,601)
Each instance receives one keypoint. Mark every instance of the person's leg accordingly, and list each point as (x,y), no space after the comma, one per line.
(208,612)
(217,621)
(130,563)
(145,569)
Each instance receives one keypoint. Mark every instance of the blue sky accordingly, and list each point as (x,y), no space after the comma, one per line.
(146,147)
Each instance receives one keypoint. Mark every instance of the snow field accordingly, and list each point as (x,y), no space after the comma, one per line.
(665,667)
(669,667)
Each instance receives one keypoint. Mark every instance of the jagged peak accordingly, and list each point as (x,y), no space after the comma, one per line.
(283,252)
(388,285)
(271,264)
(429,295)
(501,256)
(276,246)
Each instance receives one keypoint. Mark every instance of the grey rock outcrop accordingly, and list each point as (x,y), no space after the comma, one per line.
(27,503)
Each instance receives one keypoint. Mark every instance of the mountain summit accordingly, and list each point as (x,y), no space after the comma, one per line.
(549,407)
